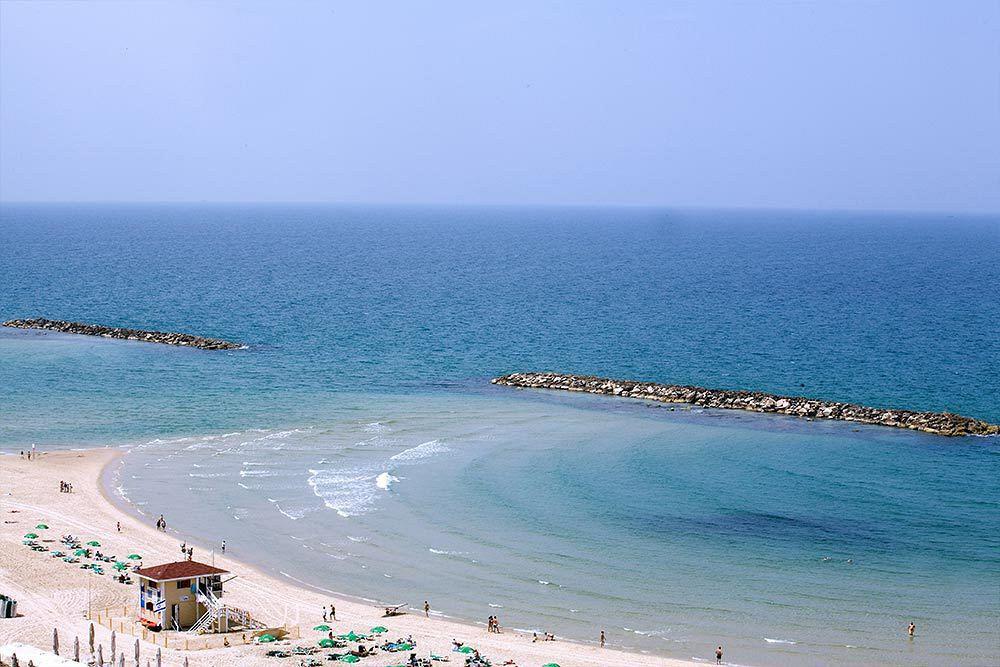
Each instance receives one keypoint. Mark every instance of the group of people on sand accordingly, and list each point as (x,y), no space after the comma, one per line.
(332,616)
(546,637)
(65,487)
(493,624)
(187,551)
(30,454)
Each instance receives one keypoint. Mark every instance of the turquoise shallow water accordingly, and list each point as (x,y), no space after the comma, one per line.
(360,431)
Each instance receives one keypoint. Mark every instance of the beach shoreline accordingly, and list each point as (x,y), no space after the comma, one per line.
(55,594)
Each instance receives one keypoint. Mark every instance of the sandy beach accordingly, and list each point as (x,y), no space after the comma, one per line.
(51,593)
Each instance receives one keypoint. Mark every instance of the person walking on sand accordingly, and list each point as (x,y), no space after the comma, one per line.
(333,613)
(118,526)
(324,614)
(223,546)
(911,630)
(602,638)
(718,656)
(427,609)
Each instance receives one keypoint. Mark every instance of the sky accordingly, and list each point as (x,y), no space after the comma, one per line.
(815,105)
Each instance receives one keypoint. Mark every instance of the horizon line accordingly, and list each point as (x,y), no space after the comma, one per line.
(330,203)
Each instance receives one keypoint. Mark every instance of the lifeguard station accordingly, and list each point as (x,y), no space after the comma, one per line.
(187,596)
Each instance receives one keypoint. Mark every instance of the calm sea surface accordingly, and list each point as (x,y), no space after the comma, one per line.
(359,438)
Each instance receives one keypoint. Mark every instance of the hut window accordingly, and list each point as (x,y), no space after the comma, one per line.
(184,583)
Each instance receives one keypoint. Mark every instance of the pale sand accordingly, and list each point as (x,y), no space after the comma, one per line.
(52,593)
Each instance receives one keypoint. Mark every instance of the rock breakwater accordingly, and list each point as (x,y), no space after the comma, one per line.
(939,423)
(164,338)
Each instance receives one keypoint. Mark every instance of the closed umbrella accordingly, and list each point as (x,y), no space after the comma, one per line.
(137,650)
(159,658)
(100,655)
(185,661)
(55,641)
(92,639)
(121,660)
(76,649)
(114,643)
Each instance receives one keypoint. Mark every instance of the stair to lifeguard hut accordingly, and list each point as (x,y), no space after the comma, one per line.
(218,616)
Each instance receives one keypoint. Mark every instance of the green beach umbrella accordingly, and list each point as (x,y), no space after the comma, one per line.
(327,643)
(322,628)
(30,536)
(134,557)
(349,658)
(351,636)
(465,649)
(93,543)
(80,552)
(378,629)
(121,566)
(42,526)
(551,664)
(404,646)
(264,639)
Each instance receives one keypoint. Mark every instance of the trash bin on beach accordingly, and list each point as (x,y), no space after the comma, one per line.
(8,607)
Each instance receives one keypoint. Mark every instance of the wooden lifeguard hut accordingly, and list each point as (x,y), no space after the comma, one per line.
(187,596)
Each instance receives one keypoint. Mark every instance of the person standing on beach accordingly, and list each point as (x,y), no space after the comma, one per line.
(333,613)
(324,614)
(223,546)
(911,630)
(718,656)
(602,638)
(118,526)
(427,609)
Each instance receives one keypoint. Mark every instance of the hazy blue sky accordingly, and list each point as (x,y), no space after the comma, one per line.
(788,104)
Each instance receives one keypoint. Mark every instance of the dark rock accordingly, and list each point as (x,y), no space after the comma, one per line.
(939,423)
(164,338)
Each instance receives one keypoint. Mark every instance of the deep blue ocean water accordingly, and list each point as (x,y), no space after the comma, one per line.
(360,424)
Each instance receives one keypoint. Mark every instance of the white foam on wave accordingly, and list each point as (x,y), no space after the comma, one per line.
(444,552)
(422,451)
(385,480)
(376,427)
(347,491)
(352,538)
(207,475)
(496,606)
(779,641)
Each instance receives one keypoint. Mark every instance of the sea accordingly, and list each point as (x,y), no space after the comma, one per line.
(357,446)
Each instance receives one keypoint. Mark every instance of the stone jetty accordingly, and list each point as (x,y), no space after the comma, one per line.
(164,338)
(939,423)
